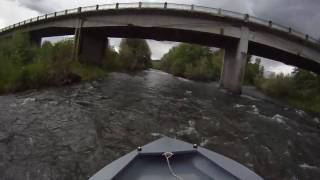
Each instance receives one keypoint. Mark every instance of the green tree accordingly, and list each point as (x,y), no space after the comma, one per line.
(25,66)
(134,54)
(300,89)
(254,71)
(111,62)
(193,61)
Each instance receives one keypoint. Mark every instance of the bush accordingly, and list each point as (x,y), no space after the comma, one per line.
(34,75)
(300,89)
(278,86)
(111,61)
(193,62)
(87,72)
(134,55)
(10,73)
(24,66)
(254,71)
(198,72)
(156,64)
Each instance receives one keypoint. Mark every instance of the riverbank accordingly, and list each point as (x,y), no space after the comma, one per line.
(300,89)
(25,66)
(71,132)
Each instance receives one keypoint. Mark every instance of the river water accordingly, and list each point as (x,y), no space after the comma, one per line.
(69,133)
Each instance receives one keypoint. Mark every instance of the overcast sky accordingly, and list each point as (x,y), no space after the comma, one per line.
(303,15)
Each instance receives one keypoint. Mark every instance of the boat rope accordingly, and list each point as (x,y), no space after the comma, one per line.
(168,155)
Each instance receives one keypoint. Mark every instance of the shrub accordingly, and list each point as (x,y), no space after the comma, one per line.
(300,89)
(278,86)
(134,55)
(111,61)
(23,66)
(254,71)
(193,62)
(156,64)
(87,72)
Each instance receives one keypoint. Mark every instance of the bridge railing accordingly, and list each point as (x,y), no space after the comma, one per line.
(152,5)
(72,11)
(89,8)
(178,6)
(127,5)
(215,11)
(207,10)
(107,7)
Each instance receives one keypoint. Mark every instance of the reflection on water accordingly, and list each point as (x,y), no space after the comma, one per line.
(72,132)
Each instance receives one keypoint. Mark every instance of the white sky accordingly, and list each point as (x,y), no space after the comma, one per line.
(303,15)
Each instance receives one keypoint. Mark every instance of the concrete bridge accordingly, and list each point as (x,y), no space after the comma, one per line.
(239,34)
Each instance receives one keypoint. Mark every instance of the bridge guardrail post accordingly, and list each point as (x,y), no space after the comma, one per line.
(55,14)
(117,5)
(66,12)
(219,12)
(165,5)
(290,30)
(140,4)
(38,18)
(270,24)
(97,7)
(307,37)
(192,7)
(46,16)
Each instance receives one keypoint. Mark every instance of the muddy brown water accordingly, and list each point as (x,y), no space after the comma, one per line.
(71,132)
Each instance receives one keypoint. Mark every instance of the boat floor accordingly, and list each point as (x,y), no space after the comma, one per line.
(189,166)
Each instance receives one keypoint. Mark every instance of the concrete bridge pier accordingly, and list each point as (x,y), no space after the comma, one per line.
(35,40)
(90,46)
(234,64)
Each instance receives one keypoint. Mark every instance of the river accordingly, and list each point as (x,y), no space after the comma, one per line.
(71,132)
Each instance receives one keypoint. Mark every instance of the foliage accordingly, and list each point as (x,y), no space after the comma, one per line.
(134,55)
(87,72)
(193,61)
(111,61)
(25,66)
(254,71)
(277,86)
(301,89)
(156,64)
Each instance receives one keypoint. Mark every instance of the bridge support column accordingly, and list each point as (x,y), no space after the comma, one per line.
(35,40)
(91,46)
(234,64)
